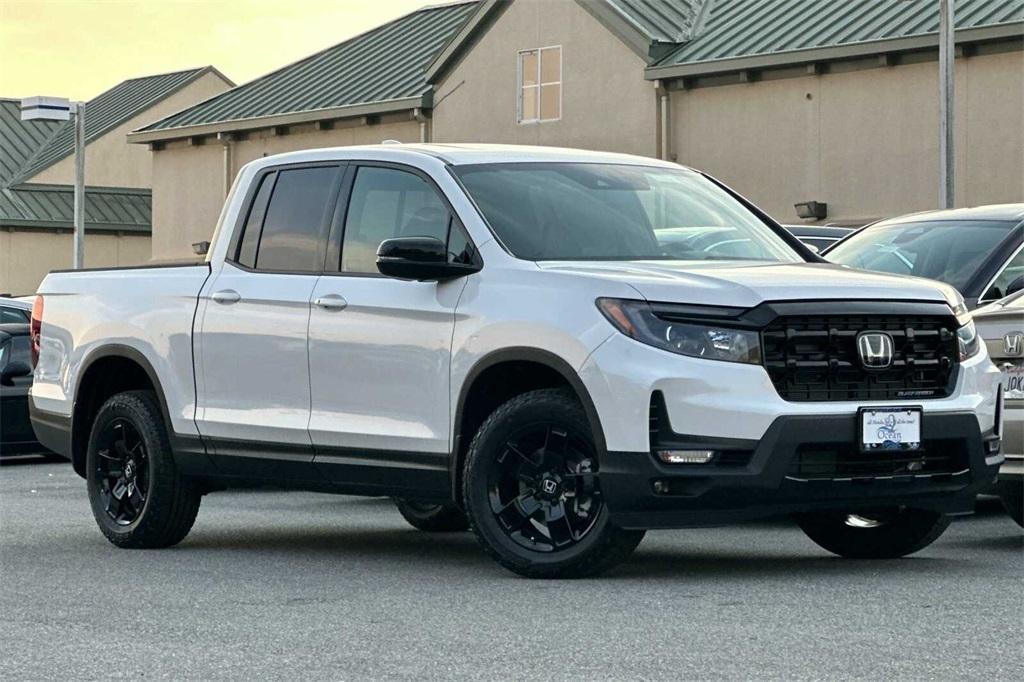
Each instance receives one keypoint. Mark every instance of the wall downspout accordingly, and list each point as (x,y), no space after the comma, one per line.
(418,115)
(665,152)
(225,140)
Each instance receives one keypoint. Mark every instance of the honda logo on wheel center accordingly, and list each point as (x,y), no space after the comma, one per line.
(875,349)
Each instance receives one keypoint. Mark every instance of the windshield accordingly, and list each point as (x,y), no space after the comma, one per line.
(587,211)
(949,251)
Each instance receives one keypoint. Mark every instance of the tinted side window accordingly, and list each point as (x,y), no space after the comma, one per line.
(1013,270)
(16,315)
(21,349)
(254,223)
(294,233)
(16,348)
(388,203)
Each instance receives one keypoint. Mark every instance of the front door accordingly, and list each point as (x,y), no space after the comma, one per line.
(380,348)
(252,359)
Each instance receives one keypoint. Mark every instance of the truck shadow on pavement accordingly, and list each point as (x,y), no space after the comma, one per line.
(400,550)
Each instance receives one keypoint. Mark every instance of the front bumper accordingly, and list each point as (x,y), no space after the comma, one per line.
(769,481)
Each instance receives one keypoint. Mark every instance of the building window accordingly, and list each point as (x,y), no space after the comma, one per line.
(540,85)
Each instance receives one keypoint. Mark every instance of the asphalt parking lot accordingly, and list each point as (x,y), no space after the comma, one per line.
(285,585)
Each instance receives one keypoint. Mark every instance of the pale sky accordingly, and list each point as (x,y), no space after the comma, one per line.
(79,48)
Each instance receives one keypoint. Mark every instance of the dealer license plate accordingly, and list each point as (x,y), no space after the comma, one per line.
(1013,380)
(890,428)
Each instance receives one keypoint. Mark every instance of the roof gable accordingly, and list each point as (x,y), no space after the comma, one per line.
(384,64)
(650,28)
(108,110)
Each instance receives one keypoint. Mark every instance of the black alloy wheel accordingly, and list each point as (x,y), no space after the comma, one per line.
(139,497)
(543,490)
(122,471)
(532,494)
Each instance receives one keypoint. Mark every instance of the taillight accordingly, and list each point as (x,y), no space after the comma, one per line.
(35,328)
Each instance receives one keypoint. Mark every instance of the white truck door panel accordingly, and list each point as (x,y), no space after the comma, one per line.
(380,348)
(379,366)
(254,366)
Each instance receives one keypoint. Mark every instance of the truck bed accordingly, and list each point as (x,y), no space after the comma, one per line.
(147,309)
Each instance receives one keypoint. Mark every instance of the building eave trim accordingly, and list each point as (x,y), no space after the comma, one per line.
(293,118)
(52,225)
(831,53)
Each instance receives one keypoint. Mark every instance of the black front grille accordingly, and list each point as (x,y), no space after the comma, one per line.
(834,460)
(812,358)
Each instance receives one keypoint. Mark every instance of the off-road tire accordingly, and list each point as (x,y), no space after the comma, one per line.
(172,500)
(432,517)
(906,531)
(603,546)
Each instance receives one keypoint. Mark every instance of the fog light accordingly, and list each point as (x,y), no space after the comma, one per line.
(993,446)
(685,456)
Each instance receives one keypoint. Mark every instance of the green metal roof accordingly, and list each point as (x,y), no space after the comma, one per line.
(52,206)
(380,66)
(733,29)
(663,21)
(20,140)
(108,110)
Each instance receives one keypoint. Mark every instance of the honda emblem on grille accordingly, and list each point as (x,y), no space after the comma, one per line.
(1013,343)
(875,349)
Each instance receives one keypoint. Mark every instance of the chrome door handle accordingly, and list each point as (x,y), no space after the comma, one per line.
(226,296)
(331,302)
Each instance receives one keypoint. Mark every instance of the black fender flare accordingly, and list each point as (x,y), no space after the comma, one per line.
(119,351)
(521,354)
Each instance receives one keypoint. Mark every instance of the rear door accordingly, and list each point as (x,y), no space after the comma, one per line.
(380,348)
(252,365)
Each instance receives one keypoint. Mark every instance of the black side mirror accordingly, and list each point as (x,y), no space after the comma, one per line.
(1016,285)
(15,369)
(419,258)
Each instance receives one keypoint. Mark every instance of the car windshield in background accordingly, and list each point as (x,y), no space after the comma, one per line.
(946,250)
(588,211)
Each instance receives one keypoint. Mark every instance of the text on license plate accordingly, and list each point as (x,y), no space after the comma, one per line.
(1013,381)
(890,428)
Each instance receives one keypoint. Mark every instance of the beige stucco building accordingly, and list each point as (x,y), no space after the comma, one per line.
(829,102)
(37,174)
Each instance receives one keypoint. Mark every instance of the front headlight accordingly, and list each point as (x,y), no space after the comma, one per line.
(967,339)
(637,320)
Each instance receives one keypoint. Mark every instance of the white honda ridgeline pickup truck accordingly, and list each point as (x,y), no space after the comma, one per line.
(558,349)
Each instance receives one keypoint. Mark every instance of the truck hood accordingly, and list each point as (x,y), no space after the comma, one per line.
(747,284)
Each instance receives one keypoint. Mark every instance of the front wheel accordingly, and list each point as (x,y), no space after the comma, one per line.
(532,492)
(877,534)
(138,496)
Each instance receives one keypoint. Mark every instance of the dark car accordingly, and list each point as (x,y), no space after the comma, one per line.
(977,250)
(13,310)
(820,237)
(16,434)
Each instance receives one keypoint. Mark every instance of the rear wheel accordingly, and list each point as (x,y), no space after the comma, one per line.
(876,534)
(432,517)
(138,497)
(532,494)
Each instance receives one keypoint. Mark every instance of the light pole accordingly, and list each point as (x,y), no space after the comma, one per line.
(947,41)
(61,109)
